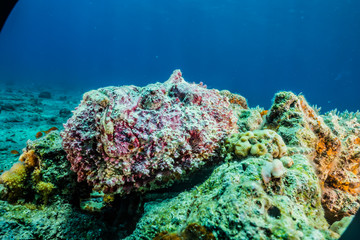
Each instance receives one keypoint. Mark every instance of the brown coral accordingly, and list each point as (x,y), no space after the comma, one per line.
(29,158)
(24,178)
(14,180)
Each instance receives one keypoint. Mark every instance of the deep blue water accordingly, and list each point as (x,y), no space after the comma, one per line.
(252,47)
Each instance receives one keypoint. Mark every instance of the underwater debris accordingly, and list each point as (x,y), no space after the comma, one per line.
(125,139)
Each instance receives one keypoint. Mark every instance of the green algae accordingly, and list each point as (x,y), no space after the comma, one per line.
(235,204)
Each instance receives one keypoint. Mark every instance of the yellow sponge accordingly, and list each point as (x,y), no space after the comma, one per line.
(14,179)
(29,158)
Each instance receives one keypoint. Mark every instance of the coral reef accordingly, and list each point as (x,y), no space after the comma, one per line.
(47,207)
(234,203)
(14,180)
(42,170)
(58,221)
(246,173)
(331,143)
(312,182)
(133,139)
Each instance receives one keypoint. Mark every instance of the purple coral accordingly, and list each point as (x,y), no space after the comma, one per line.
(125,139)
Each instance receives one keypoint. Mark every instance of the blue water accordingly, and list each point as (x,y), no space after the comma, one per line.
(252,47)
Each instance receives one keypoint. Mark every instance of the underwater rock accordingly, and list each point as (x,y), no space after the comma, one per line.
(125,139)
(191,232)
(39,195)
(283,173)
(234,203)
(7,107)
(64,112)
(45,95)
(331,143)
(249,120)
(42,174)
(342,187)
(13,118)
(58,221)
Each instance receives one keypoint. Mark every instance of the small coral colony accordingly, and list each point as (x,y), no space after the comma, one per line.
(283,173)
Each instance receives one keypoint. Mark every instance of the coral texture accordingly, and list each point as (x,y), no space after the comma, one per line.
(234,203)
(14,181)
(256,143)
(125,139)
(283,173)
(330,142)
(41,173)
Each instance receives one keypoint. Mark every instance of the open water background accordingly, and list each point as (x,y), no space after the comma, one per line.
(252,47)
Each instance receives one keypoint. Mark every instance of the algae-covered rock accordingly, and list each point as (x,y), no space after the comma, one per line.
(135,139)
(249,120)
(53,167)
(42,174)
(234,203)
(285,173)
(331,142)
(58,221)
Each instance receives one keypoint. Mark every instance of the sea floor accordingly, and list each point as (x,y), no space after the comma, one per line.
(25,111)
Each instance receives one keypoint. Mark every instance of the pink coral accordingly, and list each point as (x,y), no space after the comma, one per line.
(124,139)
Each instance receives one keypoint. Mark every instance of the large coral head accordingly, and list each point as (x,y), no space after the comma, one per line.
(123,139)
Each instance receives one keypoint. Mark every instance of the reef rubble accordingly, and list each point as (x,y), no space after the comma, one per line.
(176,160)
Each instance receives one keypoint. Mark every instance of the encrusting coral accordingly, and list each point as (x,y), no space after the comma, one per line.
(131,139)
(24,176)
(14,180)
(42,170)
(255,143)
(233,203)
(330,144)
